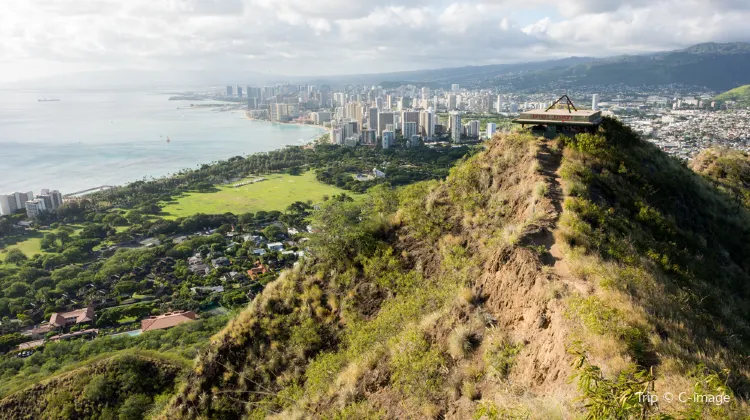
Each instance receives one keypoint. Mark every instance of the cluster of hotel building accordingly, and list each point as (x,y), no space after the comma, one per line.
(34,205)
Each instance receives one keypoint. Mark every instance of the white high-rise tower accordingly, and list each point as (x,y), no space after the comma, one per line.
(595,102)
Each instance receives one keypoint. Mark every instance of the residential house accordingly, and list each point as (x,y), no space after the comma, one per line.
(259,251)
(93,332)
(207,289)
(276,246)
(259,269)
(200,269)
(233,276)
(41,331)
(168,320)
(220,262)
(79,316)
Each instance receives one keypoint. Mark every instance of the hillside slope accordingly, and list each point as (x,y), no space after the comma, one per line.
(741,95)
(123,385)
(542,279)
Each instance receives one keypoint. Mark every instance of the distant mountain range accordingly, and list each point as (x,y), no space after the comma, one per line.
(715,66)
(718,67)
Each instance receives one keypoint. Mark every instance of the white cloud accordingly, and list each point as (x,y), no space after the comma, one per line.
(297,37)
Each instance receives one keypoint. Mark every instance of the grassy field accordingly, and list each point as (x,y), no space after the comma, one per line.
(276,193)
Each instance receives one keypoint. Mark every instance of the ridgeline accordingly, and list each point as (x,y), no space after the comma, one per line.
(541,279)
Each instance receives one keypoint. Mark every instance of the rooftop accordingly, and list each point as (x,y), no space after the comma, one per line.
(560,116)
(168,320)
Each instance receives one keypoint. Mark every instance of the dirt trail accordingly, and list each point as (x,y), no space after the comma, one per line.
(550,162)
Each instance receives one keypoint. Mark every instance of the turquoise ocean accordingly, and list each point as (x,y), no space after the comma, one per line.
(94,138)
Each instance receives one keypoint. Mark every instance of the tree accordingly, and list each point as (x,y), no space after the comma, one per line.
(272,232)
(134,407)
(125,287)
(15,256)
(17,289)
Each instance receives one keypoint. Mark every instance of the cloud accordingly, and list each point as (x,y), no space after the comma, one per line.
(303,37)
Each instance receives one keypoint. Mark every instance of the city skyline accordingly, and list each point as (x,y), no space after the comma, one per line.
(295,38)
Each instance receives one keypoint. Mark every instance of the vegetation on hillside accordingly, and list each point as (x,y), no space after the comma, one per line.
(126,386)
(448,298)
(740,95)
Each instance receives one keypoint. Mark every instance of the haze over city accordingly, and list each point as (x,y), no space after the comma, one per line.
(41,38)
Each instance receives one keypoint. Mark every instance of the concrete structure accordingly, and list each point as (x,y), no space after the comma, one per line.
(389,138)
(427,124)
(491,129)
(409,129)
(595,102)
(455,127)
(34,208)
(320,117)
(337,136)
(369,137)
(473,128)
(230,91)
(554,120)
(239,92)
(452,102)
(499,103)
(53,199)
(384,118)
(455,87)
(11,203)
(372,119)
(407,117)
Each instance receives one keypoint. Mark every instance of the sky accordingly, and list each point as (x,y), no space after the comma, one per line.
(41,38)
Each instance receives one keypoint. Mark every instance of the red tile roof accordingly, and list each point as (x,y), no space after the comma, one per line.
(80,315)
(167,320)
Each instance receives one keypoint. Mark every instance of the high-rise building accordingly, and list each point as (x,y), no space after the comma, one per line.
(351,128)
(239,92)
(379,103)
(321,117)
(456,127)
(55,198)
(452,102)
(491,129)
(252,103)
(499,103)
(514,108)
(473,128)
(384,118)
(455,87)
(425,92)
(372,119)
(339,99)
(369,137)
(409,129)
(389,102)
(34,208)
(407,117)
(353,111)
(595,102)
(427,124)
(7,204)
(337,136)
(230,91)
(389,138)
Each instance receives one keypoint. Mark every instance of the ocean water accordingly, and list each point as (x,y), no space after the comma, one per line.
(94,138)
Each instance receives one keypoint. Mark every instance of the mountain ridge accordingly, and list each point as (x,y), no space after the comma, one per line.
(537,275)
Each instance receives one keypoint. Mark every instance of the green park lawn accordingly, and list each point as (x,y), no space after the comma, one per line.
(275,193)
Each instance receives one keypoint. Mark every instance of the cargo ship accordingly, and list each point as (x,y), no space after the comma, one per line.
(48,100)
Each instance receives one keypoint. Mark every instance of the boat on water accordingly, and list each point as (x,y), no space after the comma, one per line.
(48,100)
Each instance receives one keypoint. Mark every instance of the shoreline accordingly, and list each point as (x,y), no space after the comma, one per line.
(84,181)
